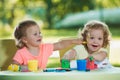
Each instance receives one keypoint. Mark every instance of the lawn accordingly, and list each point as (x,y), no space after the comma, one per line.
(74,31)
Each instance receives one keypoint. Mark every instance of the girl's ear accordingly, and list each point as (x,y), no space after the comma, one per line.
(24,40)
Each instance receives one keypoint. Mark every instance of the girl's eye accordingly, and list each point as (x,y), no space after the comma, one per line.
(91,37)
(35,34)
(100,38)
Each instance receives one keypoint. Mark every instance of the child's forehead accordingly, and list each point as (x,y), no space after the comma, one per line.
(33,28)
(95,32)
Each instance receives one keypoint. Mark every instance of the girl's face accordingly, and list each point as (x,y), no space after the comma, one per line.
(33,36)
(94,40)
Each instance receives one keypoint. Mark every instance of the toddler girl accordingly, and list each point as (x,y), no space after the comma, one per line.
(95,36)
(30,47)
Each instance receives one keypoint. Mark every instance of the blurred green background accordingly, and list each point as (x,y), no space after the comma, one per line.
(61,18)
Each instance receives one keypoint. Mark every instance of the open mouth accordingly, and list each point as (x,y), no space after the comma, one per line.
(38,40)
(95,45)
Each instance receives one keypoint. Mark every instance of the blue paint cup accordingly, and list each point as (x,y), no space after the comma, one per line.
(81,65)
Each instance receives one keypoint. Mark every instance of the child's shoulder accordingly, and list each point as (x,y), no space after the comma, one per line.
(22,49)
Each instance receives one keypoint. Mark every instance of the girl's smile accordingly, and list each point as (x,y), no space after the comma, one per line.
(95,45)
(39,40)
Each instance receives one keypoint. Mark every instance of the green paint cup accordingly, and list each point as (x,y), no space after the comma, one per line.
(65,63)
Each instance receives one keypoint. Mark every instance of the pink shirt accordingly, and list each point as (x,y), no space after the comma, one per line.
(23,55)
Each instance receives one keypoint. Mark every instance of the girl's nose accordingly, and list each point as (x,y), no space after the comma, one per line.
(95,40)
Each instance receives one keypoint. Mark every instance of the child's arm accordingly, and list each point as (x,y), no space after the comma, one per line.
(65,43)
(69,54)
(100,56)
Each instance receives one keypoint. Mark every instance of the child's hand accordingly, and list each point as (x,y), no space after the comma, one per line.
(24,68)
(84,42)
(69,54)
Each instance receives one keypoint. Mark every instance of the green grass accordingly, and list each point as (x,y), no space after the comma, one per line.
(116,65)
(59,32)
(8,33)
(73,32)
(53,63)
(115,32)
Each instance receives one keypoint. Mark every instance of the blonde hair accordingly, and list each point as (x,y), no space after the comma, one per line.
(20,31)
(94,24)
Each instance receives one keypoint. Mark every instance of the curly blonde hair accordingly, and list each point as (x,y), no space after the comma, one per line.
(94,24)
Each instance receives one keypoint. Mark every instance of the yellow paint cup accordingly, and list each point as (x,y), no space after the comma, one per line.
(33,65)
